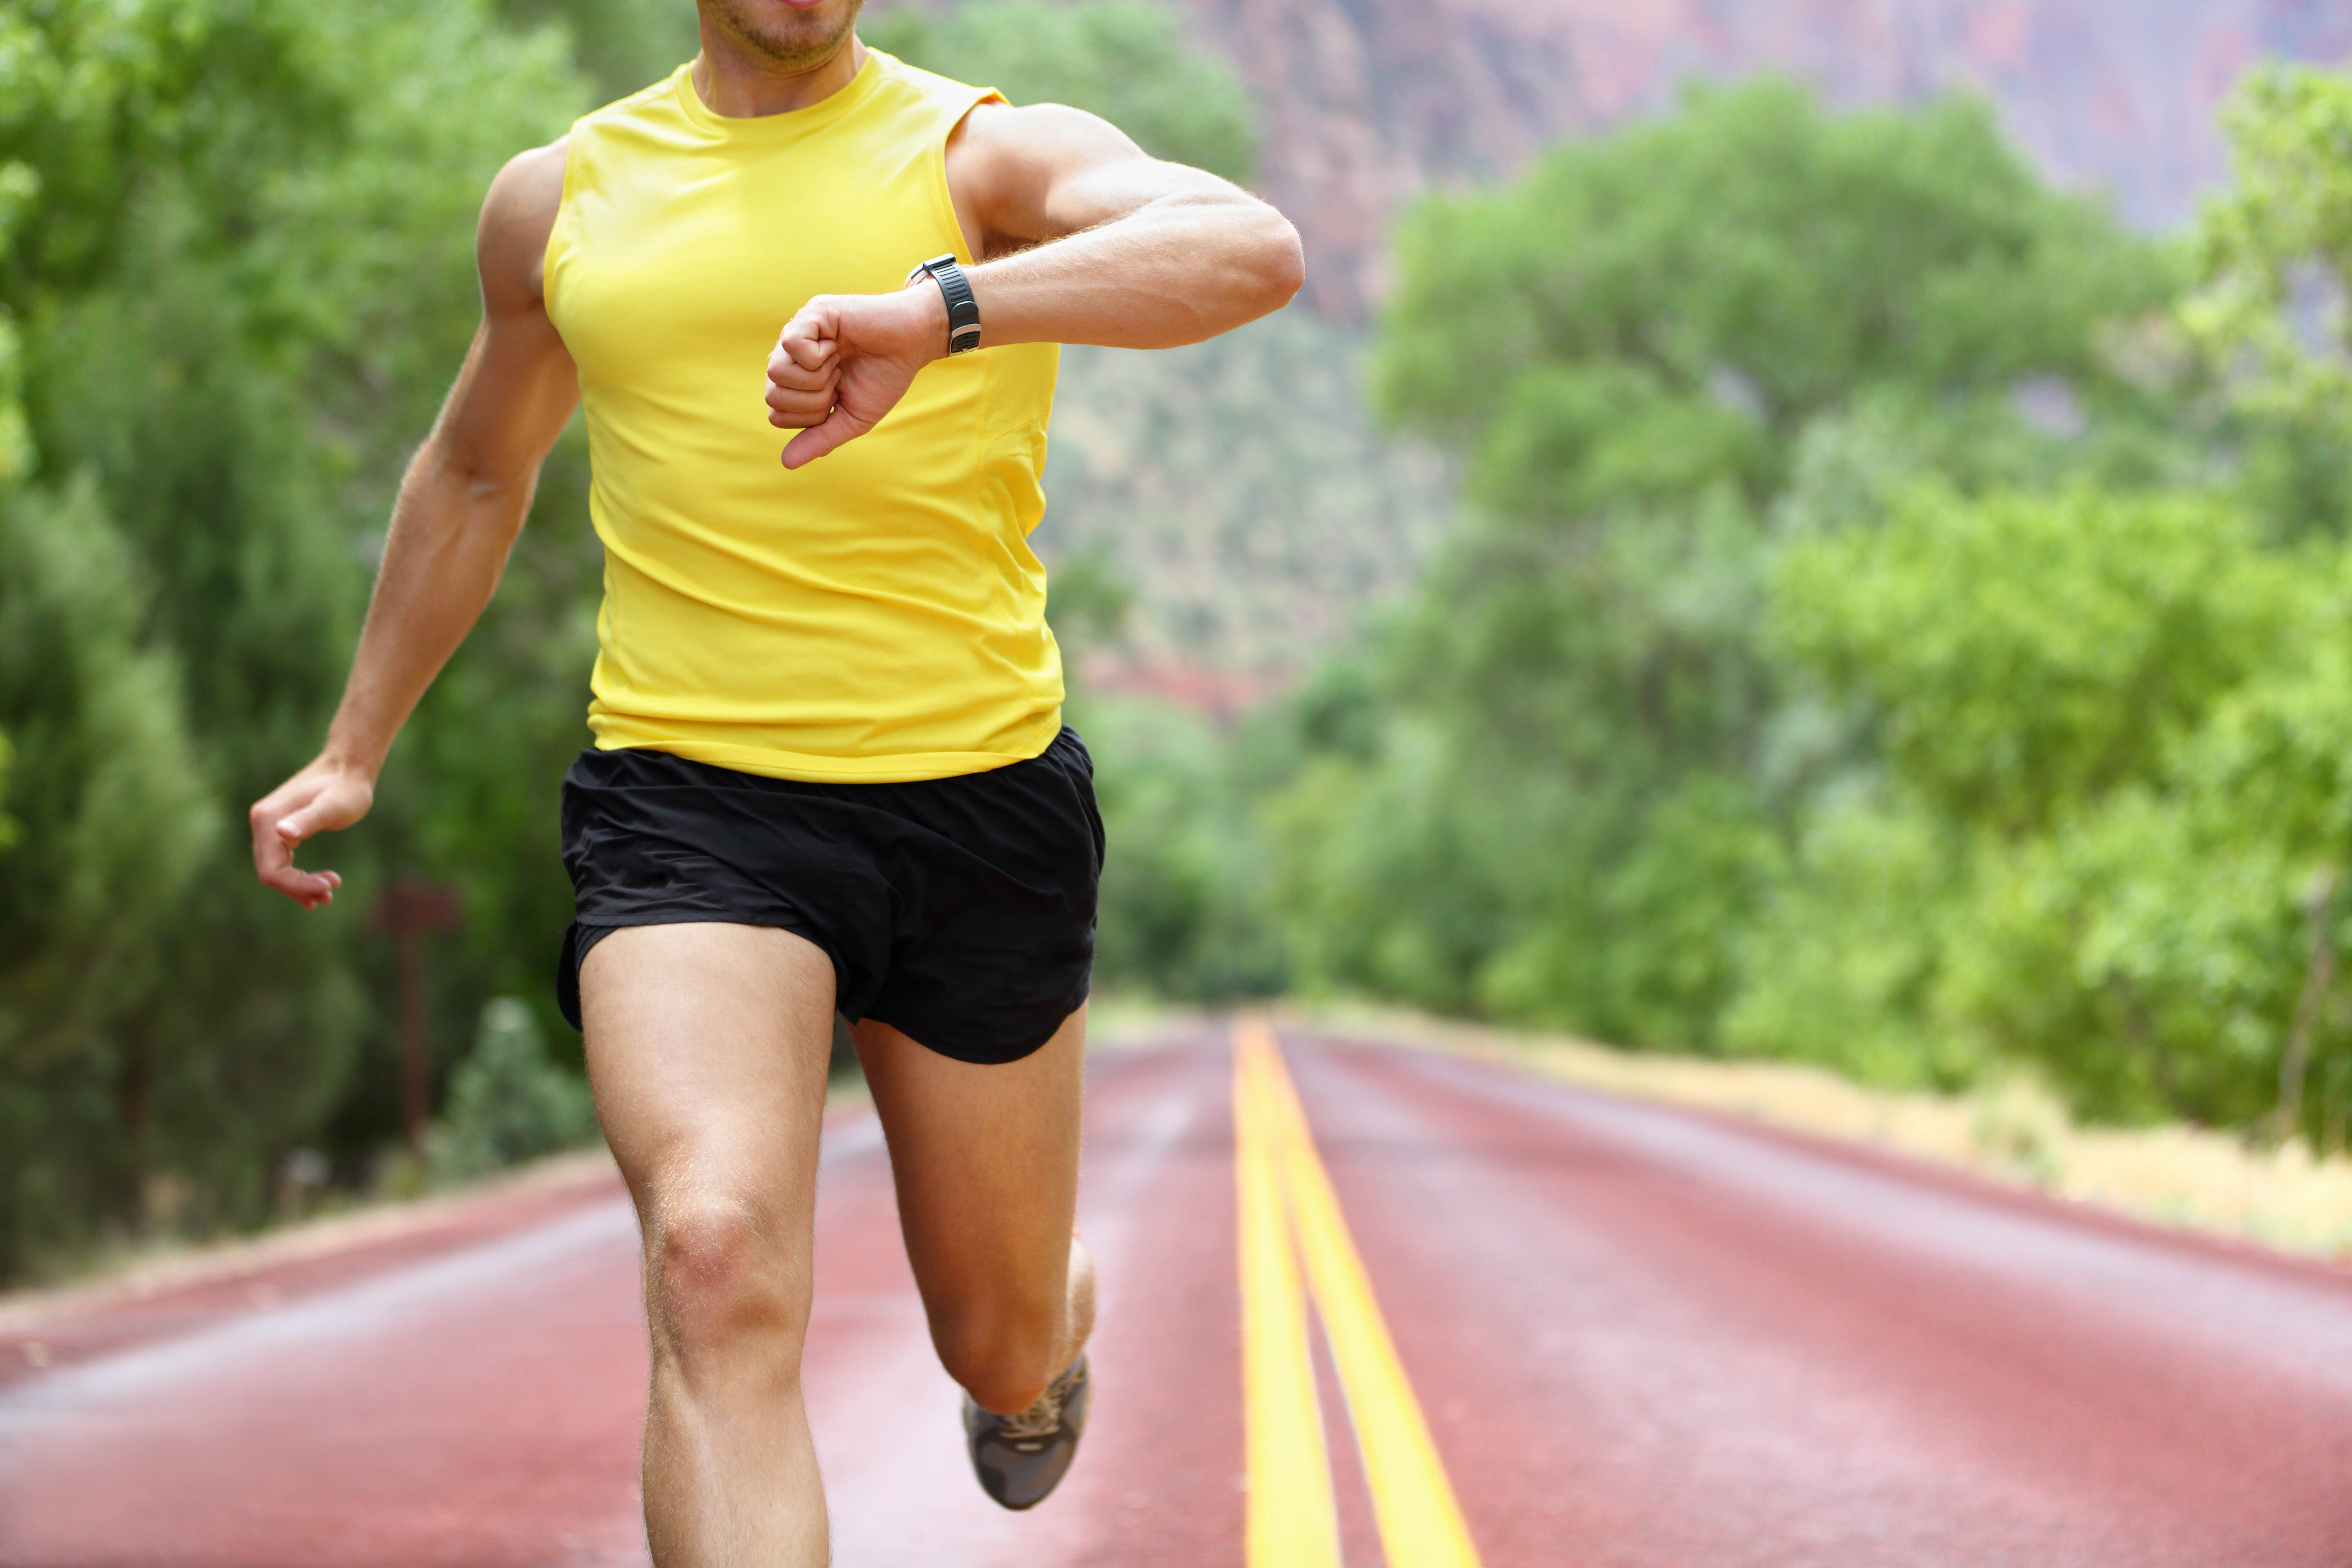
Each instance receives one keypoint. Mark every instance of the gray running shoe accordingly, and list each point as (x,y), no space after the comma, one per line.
(1020,1458)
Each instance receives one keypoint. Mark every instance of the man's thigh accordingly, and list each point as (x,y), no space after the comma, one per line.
(708,1046)
(985,1158)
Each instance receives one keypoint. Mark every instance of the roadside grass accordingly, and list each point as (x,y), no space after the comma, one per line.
(2014,1131)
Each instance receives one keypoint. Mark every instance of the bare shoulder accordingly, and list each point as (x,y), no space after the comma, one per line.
(997,143)
(1032,130)
(518,216)
(1045,170)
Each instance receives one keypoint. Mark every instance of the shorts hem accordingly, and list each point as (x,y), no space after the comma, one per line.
(581,936)
(986,1055)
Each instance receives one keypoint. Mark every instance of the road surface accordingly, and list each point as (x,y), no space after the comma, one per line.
(1633,1336)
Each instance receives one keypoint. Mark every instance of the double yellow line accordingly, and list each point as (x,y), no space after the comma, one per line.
(1289,1214)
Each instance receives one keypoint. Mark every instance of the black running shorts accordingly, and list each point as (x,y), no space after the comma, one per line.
(959,910)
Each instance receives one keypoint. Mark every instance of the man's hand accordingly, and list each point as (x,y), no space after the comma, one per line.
(843,362)
(322,797)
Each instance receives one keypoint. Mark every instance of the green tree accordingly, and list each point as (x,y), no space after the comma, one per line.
(2022,654)
(237,270)
(508,1101)
(621,45)
(8,828)
(1184,901)
(2119,720)
(1841,959)
(2037,671)
(113,783)
(2274,250)
(2273,258)
(1643,313)
(1659,356)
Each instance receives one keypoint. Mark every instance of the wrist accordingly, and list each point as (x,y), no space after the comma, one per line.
(927,318)
(959,302)
(354,761)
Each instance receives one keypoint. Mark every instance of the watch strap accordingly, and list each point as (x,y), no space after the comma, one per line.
(963,309)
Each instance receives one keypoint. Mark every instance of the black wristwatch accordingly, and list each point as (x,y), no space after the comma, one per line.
(963,310)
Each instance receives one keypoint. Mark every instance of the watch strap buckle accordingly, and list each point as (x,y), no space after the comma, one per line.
(964,309)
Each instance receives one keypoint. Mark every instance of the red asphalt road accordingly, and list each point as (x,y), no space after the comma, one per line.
(1642,1336)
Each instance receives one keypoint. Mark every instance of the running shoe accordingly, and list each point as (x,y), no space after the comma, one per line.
(1020,1458)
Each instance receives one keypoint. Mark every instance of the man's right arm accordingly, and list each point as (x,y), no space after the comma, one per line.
(462,502)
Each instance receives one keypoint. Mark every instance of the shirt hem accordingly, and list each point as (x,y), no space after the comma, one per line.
(906,767)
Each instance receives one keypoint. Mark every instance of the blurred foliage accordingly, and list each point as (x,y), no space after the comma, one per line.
(1183,903)
(2044,673)
(2275,250)
(237,272)
(8,828)
(1646,314)
(1902,622)
(508,1103)
(1661,354)
(620,44)
(2022,654)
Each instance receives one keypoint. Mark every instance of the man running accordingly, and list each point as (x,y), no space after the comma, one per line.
(830,771)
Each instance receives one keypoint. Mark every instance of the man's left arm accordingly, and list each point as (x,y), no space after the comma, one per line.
(1085,239)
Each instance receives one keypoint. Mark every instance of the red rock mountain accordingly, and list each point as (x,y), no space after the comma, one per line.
(1366,102)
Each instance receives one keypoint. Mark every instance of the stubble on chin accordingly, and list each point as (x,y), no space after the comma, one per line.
(790,43)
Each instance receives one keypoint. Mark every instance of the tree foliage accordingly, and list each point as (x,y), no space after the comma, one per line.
(508,1101)
(2023,655)
(1902,622)
(1660,355)
(237,272)
(2275,250)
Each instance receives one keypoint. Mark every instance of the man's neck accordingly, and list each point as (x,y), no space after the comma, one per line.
(737,86)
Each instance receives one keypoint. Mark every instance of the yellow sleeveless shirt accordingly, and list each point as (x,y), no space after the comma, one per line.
(878,614)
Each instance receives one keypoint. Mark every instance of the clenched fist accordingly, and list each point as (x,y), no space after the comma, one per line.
(844,360)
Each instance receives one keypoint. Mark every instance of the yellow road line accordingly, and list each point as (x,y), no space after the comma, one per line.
(1292,1521)
(1420,1522)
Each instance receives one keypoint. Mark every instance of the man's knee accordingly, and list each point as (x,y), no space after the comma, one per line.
(1003,1350)
(719,1280)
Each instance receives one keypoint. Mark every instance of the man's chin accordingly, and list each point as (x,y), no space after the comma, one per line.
(793,35)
